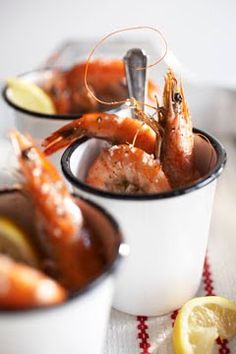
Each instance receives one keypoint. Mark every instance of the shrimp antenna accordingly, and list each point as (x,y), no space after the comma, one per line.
(137,133)
(127,100)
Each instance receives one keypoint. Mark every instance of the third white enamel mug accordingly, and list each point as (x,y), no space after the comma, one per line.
(78,325)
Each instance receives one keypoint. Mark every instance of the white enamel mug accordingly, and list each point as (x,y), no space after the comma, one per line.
(167,232)
(41,125)
(78,325)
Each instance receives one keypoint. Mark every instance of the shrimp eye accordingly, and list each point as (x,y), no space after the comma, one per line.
(177,97)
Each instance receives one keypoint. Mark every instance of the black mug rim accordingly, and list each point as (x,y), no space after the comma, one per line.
(95,281)
(34,114)
(211,176)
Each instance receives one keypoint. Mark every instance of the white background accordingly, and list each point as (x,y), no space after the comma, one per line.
(200,33)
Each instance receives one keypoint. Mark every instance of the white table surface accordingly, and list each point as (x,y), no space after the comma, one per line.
(200,33)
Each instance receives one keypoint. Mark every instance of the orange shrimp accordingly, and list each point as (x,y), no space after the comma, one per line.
(103,125)
(106,79)
(24,287)
(60,218)
(169,137)
(127,169)
(178,140)
(64,218)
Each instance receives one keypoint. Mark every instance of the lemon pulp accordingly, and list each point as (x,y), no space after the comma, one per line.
(14,242)
(30,96)
(200,322)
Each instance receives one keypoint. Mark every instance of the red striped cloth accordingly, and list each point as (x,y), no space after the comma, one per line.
(143,335)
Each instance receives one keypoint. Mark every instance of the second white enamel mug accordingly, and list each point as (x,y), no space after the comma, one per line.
(167,232)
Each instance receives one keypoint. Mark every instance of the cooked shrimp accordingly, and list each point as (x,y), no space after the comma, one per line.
(127,169)
(59,216)
(43,181)
(170,137)
(106,79)
(24,287)
(178,140)
(175,140)
(103,125)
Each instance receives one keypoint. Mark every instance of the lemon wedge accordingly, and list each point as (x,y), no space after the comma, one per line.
(14,243)
(200,322)
(30,96)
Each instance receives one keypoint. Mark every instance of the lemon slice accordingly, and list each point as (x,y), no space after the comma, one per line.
(14,243)
(200,322)
(30,96)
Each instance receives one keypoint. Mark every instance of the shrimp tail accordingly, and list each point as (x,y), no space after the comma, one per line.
(63,137)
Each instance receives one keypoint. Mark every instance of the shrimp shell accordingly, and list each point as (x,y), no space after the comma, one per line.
(63,218)
(115,129)
(177,154)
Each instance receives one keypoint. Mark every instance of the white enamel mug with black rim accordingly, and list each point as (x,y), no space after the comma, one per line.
(167,232)
(41,125)
(78,325)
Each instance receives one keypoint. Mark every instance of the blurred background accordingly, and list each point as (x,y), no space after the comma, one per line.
(200,34)
(200,37)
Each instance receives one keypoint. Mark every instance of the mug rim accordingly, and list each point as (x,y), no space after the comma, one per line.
(96,280)
(202,182)
(34,114)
